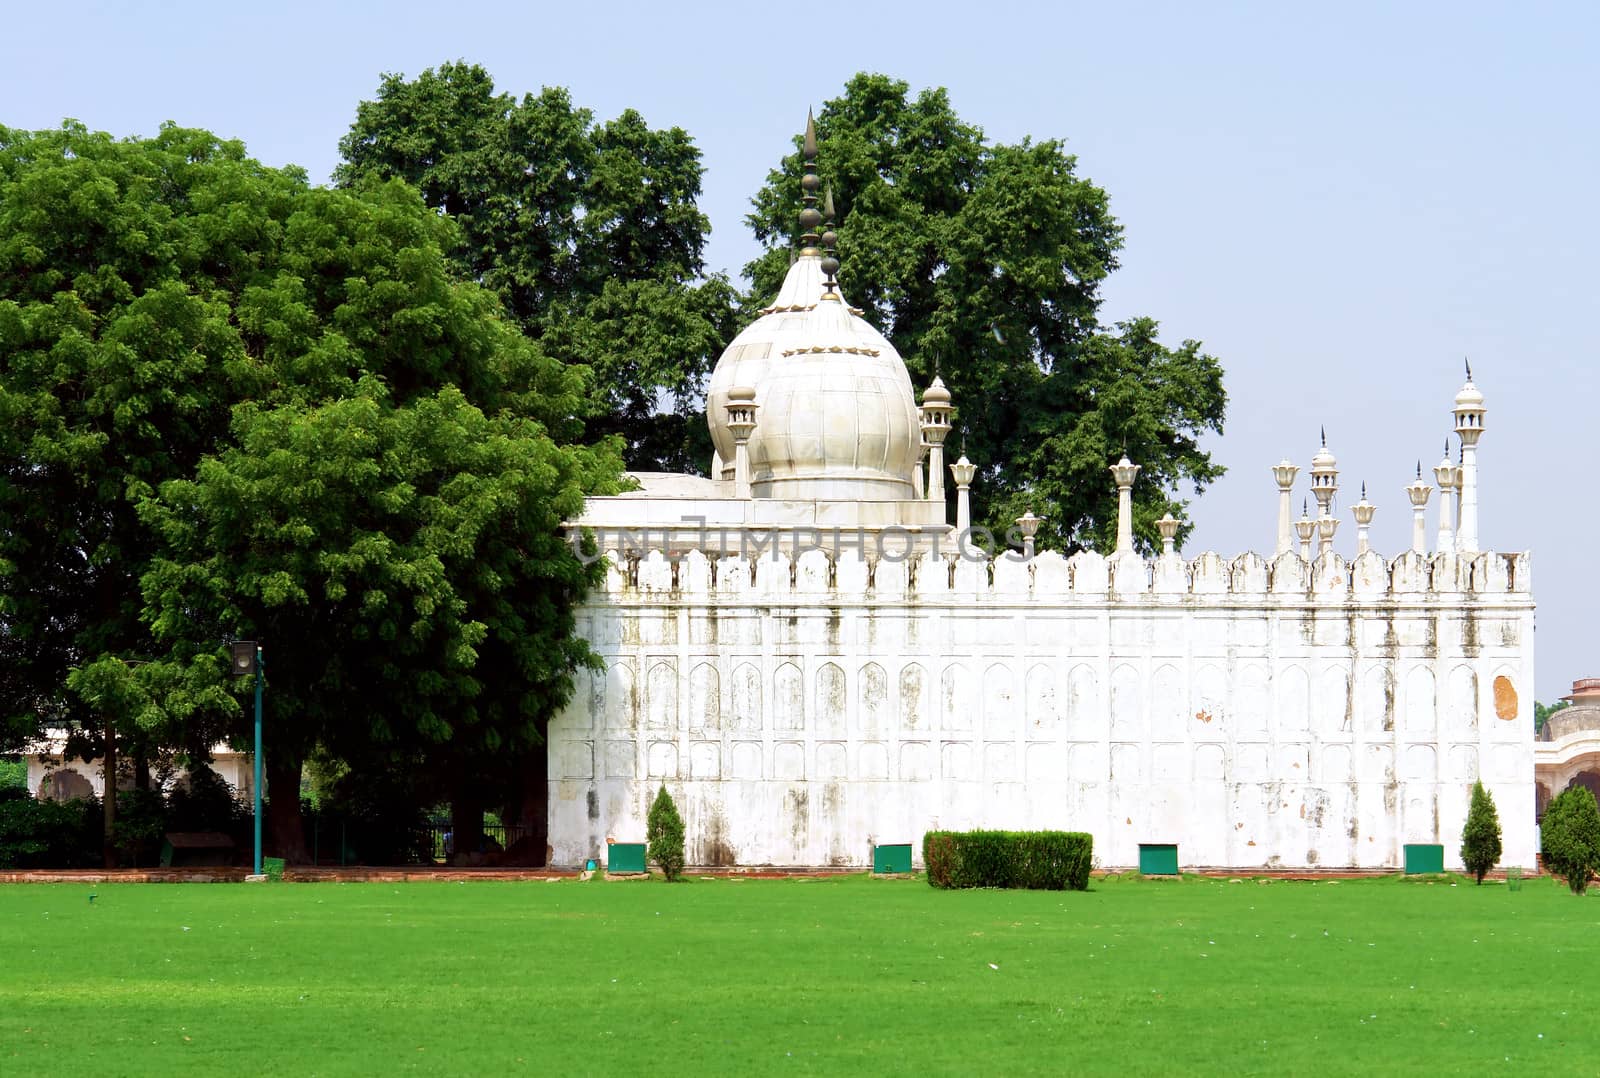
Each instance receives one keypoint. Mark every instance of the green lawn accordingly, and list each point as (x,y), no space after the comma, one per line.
(756,976)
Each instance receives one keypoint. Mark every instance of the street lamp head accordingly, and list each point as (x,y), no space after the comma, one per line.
(246,657)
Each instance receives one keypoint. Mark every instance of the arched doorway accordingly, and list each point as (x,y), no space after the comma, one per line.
(1590,780)
(65,785)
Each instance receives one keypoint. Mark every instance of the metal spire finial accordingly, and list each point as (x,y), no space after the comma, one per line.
(1419,469)
(830,258)
(1468,363)
(1324,437)
(809,217)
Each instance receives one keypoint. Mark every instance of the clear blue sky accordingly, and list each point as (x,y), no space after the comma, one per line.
(1339,201)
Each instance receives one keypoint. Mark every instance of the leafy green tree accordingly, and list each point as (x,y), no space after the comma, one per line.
(391,527)
(1571,834)
(120,262)
(236,406)
(664,834)
(1480,838)
(983,262)
(588,231)
(1542,712)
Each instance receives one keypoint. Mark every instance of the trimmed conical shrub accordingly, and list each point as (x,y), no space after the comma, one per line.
(1480,838)
(664,832)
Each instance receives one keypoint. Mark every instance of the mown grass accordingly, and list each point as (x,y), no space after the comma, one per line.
(776,976)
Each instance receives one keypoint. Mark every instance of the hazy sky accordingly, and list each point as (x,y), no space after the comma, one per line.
(1340,203)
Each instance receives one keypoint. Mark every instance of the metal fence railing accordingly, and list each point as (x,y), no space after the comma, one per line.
(336,841)
(496,837)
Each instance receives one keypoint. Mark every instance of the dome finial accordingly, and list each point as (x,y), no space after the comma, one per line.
(809,217)
(1468,364)
(830,258)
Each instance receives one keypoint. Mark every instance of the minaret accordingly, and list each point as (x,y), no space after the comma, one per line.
(962,471)
(1418,493)
(1124,472)
(1285,473)
(1363,511)
(935,429)
(1324,485)
(1304,527)
(1168,527)
(741,409)
(1028,524)
(1469,424)
(1448,475)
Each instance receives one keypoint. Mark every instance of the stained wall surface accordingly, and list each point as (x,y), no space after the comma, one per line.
(1258,715)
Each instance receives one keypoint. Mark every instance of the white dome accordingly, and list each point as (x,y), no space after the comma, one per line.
(746,361)
(836,417)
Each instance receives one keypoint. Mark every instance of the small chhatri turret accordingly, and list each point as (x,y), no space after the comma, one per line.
(963,471)
(1123,473)
(1418,493)
(1324,477)
(1469,412)
(1363,511)
(935,429)
(1449,478)
(1028,525)
(1285,472)
(1168,527)
(1305,527)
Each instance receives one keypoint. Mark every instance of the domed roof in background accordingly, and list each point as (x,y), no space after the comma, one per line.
(836,416)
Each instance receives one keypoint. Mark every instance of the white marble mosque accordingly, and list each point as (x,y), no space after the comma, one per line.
(814,659)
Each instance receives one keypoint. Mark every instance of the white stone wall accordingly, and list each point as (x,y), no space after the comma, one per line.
(1278,715)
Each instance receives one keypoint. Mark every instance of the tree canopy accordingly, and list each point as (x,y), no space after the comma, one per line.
(983,262)
(239,406)
(588,231)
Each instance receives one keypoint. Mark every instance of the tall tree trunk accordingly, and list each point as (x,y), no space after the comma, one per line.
(466,821)
(533,812)
(283,830)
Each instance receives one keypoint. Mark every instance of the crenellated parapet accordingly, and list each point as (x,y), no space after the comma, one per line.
(850,576)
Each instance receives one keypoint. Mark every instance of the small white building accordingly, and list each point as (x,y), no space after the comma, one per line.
(53,776)
(1567,750)
(813,659)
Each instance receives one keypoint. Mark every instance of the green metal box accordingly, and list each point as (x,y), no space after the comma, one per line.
(891,859)
(625,857)
(1424,857)
(1158,859)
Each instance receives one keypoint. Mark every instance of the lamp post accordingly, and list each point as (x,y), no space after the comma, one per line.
(247,659)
